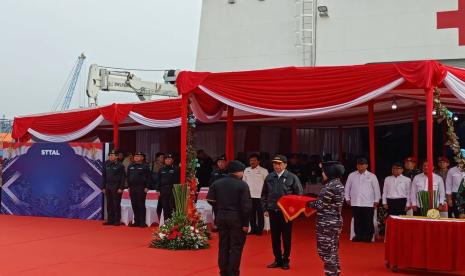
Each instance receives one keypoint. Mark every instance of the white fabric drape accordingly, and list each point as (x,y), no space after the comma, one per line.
(154,123)
(59,138)
(456,86)
(304,112)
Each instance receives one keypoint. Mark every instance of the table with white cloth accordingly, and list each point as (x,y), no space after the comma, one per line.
(151,203)
(203,207)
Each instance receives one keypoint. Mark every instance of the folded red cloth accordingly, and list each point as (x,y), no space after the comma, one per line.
(293,205)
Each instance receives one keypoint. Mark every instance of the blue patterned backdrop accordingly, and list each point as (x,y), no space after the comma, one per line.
(53,180)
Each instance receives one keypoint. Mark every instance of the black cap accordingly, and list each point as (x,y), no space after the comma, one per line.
(222,157)
(139,153)
(235,166)
(113,152)
(333,169)
(397,164)
(362,160)
(279,159)
(169,155)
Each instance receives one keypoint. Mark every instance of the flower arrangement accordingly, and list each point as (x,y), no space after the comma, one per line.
(180,233)
(184,230)
(444,114)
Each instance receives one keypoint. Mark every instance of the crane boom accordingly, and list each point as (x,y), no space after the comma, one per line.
(63,101)
(102,79)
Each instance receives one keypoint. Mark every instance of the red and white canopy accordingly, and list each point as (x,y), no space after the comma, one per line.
(74,124)
(337,93)
(333,92)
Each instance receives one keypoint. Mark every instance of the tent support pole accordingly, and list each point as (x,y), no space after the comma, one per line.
(230,134)
(415,132)
(184,114)
(371,134)
(429,141)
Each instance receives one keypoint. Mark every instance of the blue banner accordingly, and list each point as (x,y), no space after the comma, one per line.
(53,180)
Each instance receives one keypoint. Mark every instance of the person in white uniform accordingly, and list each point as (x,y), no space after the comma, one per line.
(420,183)
(363,194)
(454,178)
(255,176)
(396,191)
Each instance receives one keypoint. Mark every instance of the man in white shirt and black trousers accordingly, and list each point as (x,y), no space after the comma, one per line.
(396,191)
(255,176)
(455,176)
(363,194)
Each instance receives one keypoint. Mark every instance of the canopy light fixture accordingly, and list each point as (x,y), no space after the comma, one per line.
(394,104)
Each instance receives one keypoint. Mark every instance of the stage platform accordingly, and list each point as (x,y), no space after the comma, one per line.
(48,246)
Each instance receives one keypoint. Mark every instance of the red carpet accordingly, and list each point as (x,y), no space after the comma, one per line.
(44,246)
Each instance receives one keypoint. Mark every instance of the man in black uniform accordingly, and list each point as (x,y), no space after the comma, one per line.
(231,198)
(220,171)
(113,188)
(139,178)
(410,169)
(277,184)
(205,168)
(167,177)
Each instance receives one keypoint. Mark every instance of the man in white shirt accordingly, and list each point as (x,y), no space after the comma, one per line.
(453,180)
(396,191)
(420,183)
(363,194)
(255,176)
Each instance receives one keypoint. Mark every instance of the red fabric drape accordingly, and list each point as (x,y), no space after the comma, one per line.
(67,122)
(56,123)
(433,245)
(295,88)
(164,110)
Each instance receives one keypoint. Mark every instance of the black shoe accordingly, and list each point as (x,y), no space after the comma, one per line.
(117,223)
(108,223)
(259,233)
(143,225)
(274,265)
(285,265)
(133,225)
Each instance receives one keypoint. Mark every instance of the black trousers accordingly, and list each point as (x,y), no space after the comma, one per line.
(257,219)
(396,206)
(363,223)
(167,203)
(138,204)
(231,244)
(280,230)
(113,205)
(453,211)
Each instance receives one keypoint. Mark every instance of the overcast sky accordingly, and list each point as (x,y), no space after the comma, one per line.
(41,40)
